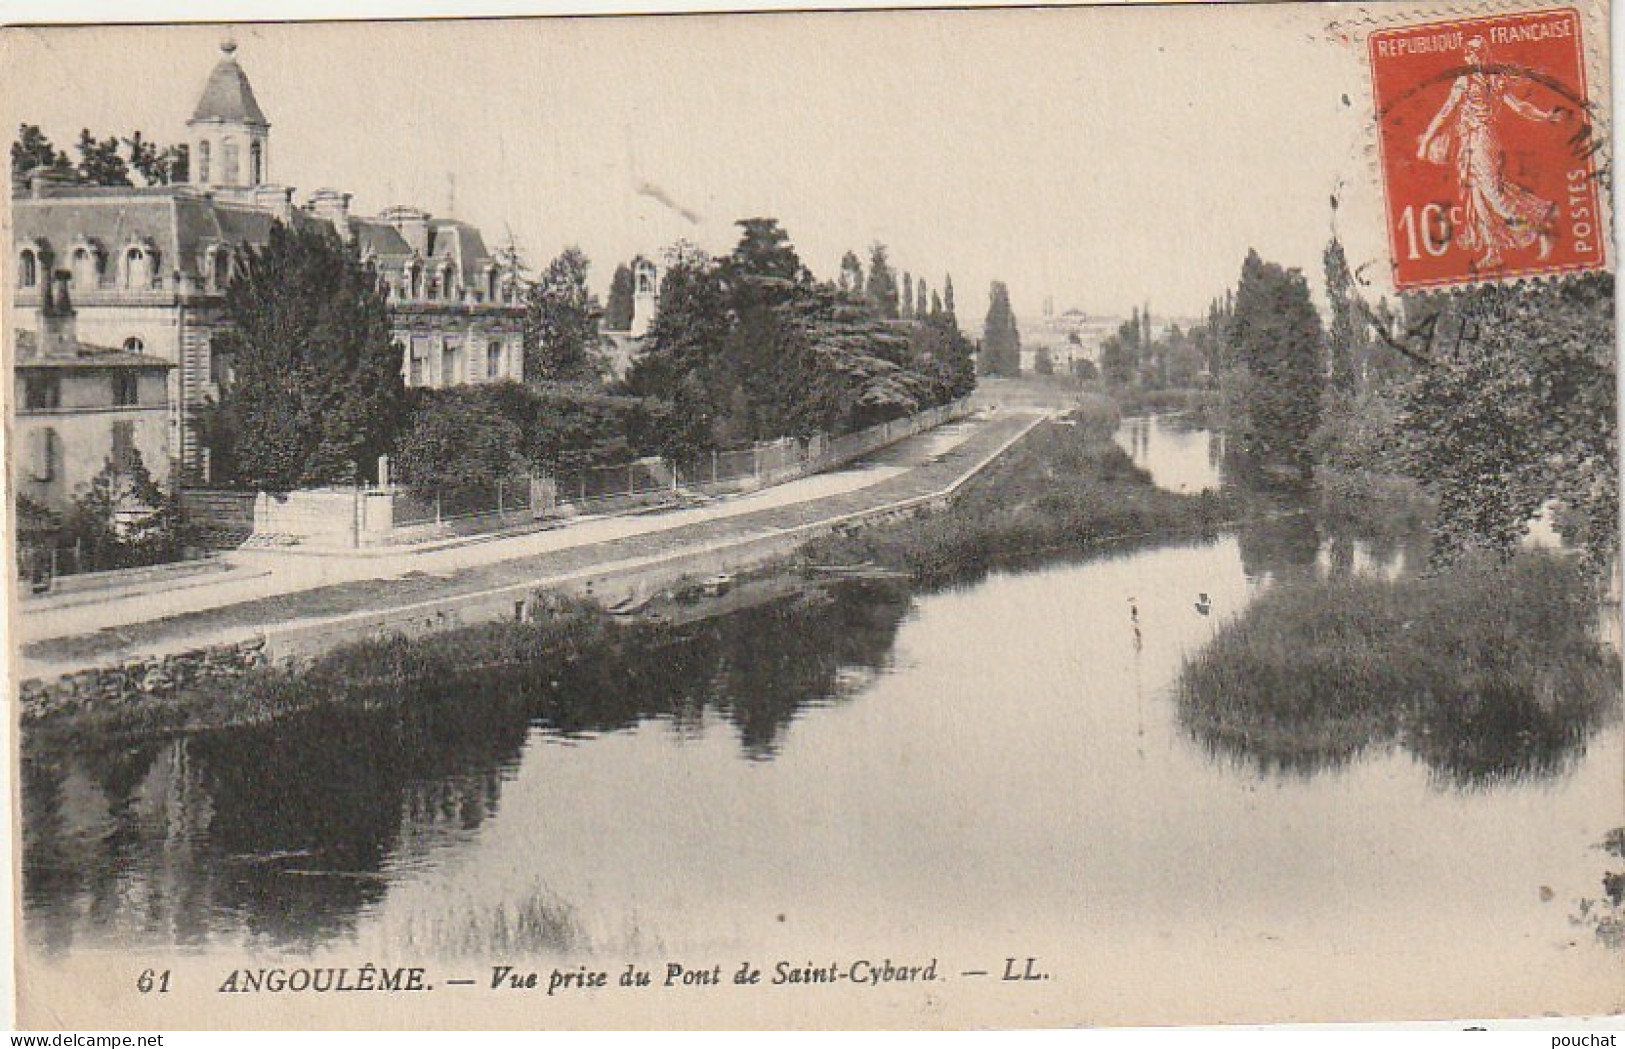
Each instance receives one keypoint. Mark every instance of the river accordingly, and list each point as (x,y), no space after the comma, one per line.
(990,770)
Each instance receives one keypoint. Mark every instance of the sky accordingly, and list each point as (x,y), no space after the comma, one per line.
(1103,158)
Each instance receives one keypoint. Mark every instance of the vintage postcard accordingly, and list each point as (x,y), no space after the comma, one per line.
(892,518)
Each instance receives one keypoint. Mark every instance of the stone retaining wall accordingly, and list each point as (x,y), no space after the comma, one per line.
(102,688)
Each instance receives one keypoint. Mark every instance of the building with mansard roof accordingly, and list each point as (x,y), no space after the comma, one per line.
(148,267)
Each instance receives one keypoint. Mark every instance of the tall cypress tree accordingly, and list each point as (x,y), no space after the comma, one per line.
(1001,343)
(882,285)
(1276,337)
(618,310)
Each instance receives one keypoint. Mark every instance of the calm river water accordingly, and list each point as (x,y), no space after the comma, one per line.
(989,770)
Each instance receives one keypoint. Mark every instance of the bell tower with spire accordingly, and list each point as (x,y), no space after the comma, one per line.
(228,134)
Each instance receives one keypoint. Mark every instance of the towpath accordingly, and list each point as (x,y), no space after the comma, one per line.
(266,588)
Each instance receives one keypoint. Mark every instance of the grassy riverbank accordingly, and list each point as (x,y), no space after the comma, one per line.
(1486,672)
(1066,486)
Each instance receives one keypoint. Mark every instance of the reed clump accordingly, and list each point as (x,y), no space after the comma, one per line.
(1484,672)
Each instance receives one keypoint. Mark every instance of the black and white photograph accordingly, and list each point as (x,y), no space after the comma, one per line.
(1077,516)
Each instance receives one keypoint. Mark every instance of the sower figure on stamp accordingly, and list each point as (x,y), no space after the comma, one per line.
(1497,214)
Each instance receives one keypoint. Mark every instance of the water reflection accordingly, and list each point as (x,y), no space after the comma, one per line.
(284,834)
(945,771)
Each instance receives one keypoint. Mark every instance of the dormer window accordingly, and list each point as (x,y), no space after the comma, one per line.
(86,266)
(139,266)
(491,284)
(448,283)
(218,262)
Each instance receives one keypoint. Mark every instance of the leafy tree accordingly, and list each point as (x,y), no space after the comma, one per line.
(158,166)
(1117,360)
(882,285)
(1001,343)
(942,352)
(1043,362)
(1514,404)
(124,519)
(31,150)
(683,348)
(1276,338)
(618,311)
(100,163)
(317,393)
(764,250)
(561,336)
(455,445)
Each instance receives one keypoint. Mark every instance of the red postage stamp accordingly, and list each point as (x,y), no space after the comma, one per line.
(1487,148)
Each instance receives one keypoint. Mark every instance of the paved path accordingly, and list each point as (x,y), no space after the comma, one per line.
(268,587)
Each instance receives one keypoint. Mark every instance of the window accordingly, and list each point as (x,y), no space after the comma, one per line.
(493,360)
(256,163)
(228,162)
(451,364)
(220,370)
(87,268)
(44,453)
(491,285)
(134,345)
(42,392)
(28,270)
(203,162)
(126,389)
(220,268)
(448,284)
(137,268)
(420,355)
(123,442)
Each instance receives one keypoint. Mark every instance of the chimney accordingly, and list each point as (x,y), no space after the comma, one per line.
(412,224)
(332,207)
(58,334)
(44,181)
(278,199)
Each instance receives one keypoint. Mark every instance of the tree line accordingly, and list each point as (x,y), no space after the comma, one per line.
(744,348)
(109,161)
(1497,399)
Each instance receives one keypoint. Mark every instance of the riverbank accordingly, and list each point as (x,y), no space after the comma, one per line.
(1067,487)
(1200,406)
(1040,489)
(248,662)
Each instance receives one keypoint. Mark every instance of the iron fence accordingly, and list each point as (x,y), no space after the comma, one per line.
(415,507)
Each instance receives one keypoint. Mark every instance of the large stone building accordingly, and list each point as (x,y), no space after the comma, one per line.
(148,267)
(79,405)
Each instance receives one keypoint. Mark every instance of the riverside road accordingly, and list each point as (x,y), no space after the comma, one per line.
(264,588)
